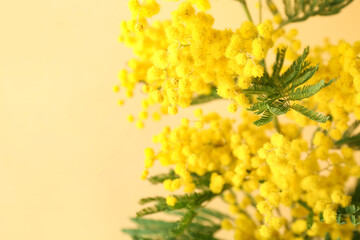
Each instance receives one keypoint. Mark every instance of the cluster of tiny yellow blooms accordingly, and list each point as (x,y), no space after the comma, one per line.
(179,59)
(272,173)
(341,99)
(316,176)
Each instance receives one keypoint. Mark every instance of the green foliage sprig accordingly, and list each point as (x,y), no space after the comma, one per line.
(301,10)
(203,226)
(196,221)
(277,94)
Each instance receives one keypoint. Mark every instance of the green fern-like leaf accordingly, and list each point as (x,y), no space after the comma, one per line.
(265,79)
(160,178)
(151,227)
(205,216)
(279,62)
(301,10)
(278,107)
(318,117)
(304,77)
(276,94)
(159,229)
(259,106)
(213,213)
(201,182)
(265,118)
(196,199)
(182,224)
(184,201)
(151,199)
(203,225)
(308,90)
(152,223)
(152,210)
(295,69)
(258,89)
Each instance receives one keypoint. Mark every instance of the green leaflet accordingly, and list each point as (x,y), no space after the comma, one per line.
(265,118)
(276,94)
(294,70)
(308,91)
(152,223)
(259,106)
(208,215)
(213,213)
(201,182)
(184,201)
(159,229)
(196,222)
(160,178)
(304,77)
(182,224)
(151,210)
(151,199)
(280,57)
(318,117)
(353,141)
(258,89)
(150,228)
(278,107)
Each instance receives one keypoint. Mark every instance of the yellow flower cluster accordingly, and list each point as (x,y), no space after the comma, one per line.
(315,176)
(243,158)
(192,57)
(210,145)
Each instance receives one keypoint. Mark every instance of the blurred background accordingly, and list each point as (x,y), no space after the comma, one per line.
(69,161)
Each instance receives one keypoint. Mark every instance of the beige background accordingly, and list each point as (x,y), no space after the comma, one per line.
(69,162)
